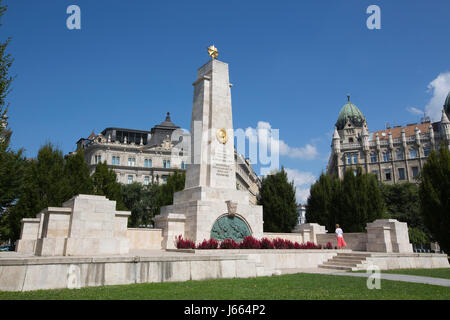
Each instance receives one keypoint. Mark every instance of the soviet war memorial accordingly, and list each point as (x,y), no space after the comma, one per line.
(205,172)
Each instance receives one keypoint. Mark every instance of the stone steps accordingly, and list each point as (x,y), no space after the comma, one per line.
(348,261)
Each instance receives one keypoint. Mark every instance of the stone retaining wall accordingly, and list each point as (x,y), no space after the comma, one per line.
(59,273)
(355,241)
(145,239)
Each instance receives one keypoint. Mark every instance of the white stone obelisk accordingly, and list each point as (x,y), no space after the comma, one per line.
(210,177)
(212,140)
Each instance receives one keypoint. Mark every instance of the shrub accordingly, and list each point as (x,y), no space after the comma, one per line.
(250,243)
(184,243)
(266,244)
(329,246)
(229,244)
(210,244)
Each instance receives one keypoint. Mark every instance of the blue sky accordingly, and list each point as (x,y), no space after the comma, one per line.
(291,64)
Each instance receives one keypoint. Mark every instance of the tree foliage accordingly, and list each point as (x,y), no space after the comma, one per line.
(277,196)
(105,183)
(76,170)
(142,201)
(434,192)
(44,185)
(175,182)
(403,203)
(351,202)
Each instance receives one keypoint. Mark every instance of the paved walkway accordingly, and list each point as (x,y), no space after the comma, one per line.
(385,276)
(400,277)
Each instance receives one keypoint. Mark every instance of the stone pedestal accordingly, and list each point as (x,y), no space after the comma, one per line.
(85,225)
(200,211)
(388,235)
(310,231)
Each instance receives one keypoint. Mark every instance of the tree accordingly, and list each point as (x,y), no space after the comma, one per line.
(77,173)
(277,196)
(105,183)
(142,201)
(351,202)
(320,201)
(434,193)
(12,163)
(403,203)
(6,79)
(45,185)
(175,182)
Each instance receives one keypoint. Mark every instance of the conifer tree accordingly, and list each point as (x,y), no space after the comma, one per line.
(105,183)
(277,196)
(434,193)
(77,173)
(319,207)
(351,202)
(45,185)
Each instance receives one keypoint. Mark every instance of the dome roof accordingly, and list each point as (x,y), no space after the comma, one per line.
(350,112)
(447,104)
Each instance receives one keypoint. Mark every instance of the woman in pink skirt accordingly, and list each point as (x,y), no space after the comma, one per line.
(340,238)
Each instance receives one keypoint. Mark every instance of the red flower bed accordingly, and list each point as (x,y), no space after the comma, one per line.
(229,244)
(267,244)
(184,244)
(210,244)
(248,243)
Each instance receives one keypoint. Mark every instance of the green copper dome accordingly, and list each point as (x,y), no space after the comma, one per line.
(447,104)
(350,112)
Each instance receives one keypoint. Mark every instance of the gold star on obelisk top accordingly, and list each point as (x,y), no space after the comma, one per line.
(213,52)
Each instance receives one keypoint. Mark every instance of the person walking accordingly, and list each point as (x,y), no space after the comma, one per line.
(340,237)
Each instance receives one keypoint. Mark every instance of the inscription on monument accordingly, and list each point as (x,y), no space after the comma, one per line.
(222,162)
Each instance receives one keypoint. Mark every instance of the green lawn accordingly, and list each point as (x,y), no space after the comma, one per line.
(443,273)
(285,287)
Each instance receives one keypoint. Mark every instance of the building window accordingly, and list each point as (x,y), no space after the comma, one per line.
(130,179)
(401,173)
(399,155)
(166,163)
(164,178)
(426,151)
(349,158)
(115,160)
(355,158)
(183,166)
(98,159)
(148,163)
(373,157)
(146,180)
(412,153)
(387,174)
(415,171)
(350,140)
(386,156)
(131,162)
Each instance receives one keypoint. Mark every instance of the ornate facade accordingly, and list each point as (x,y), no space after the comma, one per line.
(150,156)
(395,154)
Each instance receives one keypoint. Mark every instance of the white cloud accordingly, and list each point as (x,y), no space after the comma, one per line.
(269,137)
(302,195)
(439,89)
(302,181)
(300,178)
(415,111)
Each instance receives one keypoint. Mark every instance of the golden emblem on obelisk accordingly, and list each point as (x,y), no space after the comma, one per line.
(222,136)
(213,52)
